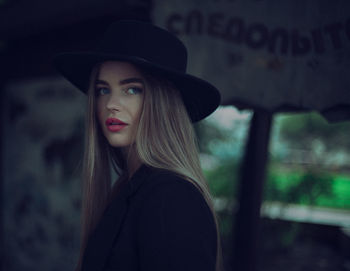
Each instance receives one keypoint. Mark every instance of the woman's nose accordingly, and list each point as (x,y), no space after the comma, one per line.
(114,102)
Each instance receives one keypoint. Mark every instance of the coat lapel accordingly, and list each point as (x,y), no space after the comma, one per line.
(101,240)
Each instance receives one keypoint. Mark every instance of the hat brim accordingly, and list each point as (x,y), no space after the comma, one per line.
(199,96)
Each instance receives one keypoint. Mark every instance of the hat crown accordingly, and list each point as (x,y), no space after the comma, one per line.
(144,41)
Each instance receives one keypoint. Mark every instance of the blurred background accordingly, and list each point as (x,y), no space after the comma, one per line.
(276,153)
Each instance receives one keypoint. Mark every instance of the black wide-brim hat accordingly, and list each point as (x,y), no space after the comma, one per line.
(150,48)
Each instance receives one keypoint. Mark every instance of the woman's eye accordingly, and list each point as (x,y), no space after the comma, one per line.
(133,90)
(102,91)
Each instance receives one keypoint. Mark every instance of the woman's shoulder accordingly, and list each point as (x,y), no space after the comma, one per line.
(159,178)
(173,220)
(162,184)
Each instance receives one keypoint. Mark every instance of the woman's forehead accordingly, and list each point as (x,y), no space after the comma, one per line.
(118,70)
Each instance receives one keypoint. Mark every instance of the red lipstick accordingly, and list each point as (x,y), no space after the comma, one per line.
(115,125)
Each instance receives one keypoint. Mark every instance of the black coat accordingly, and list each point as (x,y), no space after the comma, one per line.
(158,222)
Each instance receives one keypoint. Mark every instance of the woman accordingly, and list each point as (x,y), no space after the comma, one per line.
(159,214)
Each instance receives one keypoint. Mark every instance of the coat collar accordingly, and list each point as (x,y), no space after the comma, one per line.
(101,240)
(142,173)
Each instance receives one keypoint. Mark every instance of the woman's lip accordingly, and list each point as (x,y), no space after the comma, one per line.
(114,121)
(115,125)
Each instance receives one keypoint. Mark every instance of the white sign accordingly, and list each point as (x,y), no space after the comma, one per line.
(271,54)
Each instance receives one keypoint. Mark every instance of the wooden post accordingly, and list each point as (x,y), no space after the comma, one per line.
(247,219)
(3,99)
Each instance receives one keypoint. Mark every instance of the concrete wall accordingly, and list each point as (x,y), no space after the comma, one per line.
(43,124)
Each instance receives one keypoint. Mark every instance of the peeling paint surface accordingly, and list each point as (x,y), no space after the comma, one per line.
(42,154)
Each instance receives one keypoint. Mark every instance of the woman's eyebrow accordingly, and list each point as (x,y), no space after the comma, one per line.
(131,80)
(122,82)
(98,81)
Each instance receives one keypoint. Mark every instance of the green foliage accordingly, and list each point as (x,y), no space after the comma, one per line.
(315,141)
(206,132)
(300,130)
(299,186)
(341,193)
(226,220)
(308,187)
(222,180)
(319,142)
(223,183)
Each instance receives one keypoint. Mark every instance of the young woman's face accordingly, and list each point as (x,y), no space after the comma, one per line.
(119,98)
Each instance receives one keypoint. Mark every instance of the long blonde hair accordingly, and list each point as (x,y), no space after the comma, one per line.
(164,139)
